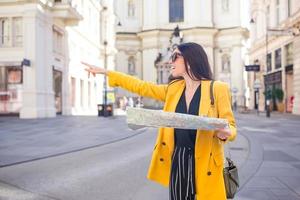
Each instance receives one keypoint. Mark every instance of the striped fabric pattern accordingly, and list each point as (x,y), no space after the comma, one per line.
(182,183)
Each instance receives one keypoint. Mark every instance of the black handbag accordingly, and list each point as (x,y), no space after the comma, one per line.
(230,172)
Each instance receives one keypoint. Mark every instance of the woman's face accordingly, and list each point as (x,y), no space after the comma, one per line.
(177,64)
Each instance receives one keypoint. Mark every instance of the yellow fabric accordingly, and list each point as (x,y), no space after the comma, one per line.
(209,153)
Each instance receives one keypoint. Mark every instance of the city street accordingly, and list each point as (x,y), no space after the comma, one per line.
(101,158)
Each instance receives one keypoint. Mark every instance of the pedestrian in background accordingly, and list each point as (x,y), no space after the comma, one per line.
(189,162)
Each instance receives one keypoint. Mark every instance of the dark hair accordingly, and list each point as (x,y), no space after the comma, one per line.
(194,56)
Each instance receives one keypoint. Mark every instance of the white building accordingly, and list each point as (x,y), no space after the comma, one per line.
(147,27)
(279,50)
(54,36)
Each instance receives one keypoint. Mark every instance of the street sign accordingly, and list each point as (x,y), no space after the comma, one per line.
(254,68)
(26,62)
(257,84)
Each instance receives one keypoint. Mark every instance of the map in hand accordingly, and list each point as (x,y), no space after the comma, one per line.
(139,117)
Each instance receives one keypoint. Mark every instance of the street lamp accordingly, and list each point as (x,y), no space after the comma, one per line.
(104,15)
(266,60)
(106,108)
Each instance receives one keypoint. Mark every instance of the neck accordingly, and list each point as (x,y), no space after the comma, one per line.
(190,83)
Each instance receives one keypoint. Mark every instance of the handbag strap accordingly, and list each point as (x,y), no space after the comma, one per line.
(212,100)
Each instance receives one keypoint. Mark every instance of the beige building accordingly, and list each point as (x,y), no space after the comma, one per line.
(275,46)
(41,45)
(145,39)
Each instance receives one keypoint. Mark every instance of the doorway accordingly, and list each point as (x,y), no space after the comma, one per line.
(57,88)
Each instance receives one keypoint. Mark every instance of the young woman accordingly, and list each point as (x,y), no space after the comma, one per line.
(189,162)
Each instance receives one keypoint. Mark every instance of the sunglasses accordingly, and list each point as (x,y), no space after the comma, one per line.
(175,56)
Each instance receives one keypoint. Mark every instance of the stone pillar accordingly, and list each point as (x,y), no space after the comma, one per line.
(38,96)
(237,70)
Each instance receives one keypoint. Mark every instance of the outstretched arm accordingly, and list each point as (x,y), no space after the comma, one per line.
(130,83)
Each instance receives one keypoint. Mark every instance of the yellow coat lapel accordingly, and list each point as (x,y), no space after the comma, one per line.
(175,93)
(205,98)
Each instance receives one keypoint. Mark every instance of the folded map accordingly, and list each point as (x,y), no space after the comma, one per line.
(139,117)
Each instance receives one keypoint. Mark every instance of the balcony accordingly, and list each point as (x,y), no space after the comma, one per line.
(64,9)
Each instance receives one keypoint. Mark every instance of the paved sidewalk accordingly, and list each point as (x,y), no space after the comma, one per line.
(272,170)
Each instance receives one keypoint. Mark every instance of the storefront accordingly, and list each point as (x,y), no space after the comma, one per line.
(57,88)
(11,83)
(289,78)
(273,81)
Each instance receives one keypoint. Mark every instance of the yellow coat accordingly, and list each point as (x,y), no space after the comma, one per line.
(209,153)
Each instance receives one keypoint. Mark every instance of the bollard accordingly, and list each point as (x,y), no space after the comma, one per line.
(268,113)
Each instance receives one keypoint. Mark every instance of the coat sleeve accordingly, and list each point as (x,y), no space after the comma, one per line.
(224,108)
(135,85)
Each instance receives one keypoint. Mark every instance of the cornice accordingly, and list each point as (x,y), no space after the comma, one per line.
(234,31)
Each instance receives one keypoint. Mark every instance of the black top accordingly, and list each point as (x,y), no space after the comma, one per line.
(185,137)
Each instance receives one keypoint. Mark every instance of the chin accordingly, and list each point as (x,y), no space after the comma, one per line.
(175,75)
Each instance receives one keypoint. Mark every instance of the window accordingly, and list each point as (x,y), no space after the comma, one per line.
(82,93)
(289,8)
(225,5)
(73,92)
(89,94)
(57,40)
(14,75)
(289,54)
(277,11)
(131,65)
(131,8)
(278,59)
(11,31)
(176,11)
(225,63)
(4,32)
(17,31)
(3,79)
(269,62)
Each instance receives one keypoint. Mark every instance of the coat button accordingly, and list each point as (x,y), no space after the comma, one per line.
(161,159)
(163,143)
(208,173)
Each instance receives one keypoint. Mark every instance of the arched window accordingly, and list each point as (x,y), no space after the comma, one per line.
(131,8)
(176,11)
(225,63)
(131,65)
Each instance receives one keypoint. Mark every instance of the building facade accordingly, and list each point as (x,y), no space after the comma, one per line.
(41,45)
(275,42)
(148,33)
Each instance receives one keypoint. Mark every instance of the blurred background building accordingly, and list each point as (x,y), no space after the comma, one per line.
(42,43)
(41,46)
(148,33)
(275,47)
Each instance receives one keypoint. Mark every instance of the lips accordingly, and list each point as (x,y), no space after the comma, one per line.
(171,66)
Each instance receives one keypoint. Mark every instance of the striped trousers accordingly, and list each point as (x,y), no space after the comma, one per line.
(182,178)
